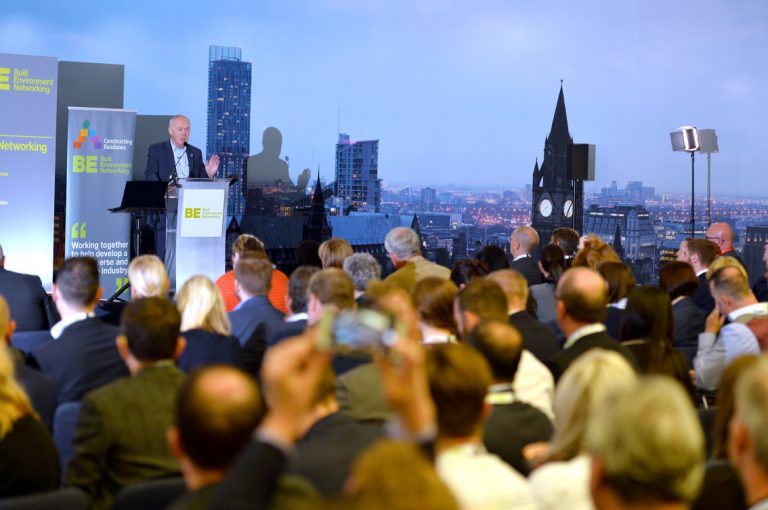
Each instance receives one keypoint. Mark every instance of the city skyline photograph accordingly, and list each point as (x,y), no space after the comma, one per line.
(456,93)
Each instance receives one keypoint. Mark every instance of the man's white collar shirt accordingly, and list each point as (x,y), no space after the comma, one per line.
(60,326)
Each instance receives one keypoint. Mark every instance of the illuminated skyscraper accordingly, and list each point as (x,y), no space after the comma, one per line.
(357,174)
(229,117)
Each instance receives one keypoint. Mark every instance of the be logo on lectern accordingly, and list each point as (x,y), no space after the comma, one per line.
(201,213)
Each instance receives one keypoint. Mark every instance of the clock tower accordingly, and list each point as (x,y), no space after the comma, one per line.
(558,201)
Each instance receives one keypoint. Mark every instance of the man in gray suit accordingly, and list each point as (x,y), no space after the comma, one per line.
(120,438)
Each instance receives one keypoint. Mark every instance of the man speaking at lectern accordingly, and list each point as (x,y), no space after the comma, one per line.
(176,154)
(169,159)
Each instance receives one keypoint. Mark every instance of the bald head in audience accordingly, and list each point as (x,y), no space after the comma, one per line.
(523,241)
(581,299)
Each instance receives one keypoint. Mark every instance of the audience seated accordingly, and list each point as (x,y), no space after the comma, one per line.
(511,424)
(568,241)
(522,244)
(564,476)
(363,269)
(83,356)
(459,378)
(483,300)
(433,298)
(465,270)
(646,448)
(647,331)
(205,326)
(247,243)
(538,338)
(581,302)
(120,436)
(551,264)
(30,306)
(333,252)
(28,460)
(679,280)
(494,258)
(620,282)
(404,251)
(270,332)
(720,343)
(329,441)
(699,253)
(38,387)
(216,412)
(593,251)
(252,281)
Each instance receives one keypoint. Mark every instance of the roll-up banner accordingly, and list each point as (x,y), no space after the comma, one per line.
(27,162)
(99,163)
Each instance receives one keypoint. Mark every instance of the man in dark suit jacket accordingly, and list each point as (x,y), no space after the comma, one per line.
(120,438)
(512,424)
(327,450)
(522,243)
(699,253)
(30,306)
(175,157)
(537,337)
(581,301)
(83,355)
(252,282)
(292,371)
(216,412)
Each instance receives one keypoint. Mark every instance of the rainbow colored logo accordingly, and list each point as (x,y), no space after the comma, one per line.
(87,132)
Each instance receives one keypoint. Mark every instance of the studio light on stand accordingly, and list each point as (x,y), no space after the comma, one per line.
(686,139)
(708,146)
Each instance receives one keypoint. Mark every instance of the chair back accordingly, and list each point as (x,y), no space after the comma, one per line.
(71,499)
(28,341)
(150,495)
(64,423)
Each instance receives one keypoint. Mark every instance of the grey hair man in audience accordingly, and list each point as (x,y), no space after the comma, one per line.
(647,448)
(404,251)
(363,269)
(747,440)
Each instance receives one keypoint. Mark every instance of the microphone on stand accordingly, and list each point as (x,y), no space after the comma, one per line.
(175,174)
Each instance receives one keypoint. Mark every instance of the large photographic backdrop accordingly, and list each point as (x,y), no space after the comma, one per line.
(99,163)
(27,162)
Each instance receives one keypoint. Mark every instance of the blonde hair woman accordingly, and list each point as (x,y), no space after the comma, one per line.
(205,325)
(333,252)
(30,462)
(586,384)
(148,277)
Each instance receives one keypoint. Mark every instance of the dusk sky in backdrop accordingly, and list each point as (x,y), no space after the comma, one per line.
(457,92)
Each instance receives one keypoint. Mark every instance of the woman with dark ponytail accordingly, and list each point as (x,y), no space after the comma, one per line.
(551,265)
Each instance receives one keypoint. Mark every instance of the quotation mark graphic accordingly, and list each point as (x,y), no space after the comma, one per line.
(78,233)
